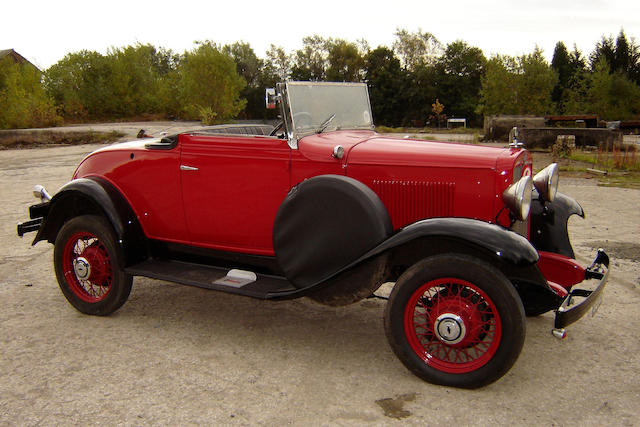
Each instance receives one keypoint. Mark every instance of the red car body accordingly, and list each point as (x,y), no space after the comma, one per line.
(323,206)
(248,177)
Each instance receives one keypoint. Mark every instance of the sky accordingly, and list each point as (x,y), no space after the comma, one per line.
(45,31)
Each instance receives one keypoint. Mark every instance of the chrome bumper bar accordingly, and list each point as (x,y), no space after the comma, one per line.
(570,311)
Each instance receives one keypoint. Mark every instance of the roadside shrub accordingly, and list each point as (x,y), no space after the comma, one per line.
(23,99)
(209,83)
(207,115)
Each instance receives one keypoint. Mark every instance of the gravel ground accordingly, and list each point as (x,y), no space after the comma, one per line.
(183,355)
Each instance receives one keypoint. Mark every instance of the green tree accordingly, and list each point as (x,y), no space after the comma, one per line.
(621,56)
(250,67)
(605,49)
(134,81)
(499,91)
(574,99)
(461,68)
(345,62)
(537,82)
(385,79)
(23,99)
(416,49)
(612,95)
(573,92)
(79,85)
(277,67)
(520,85)
(248,64)
(311,62)
(561,63)
(209,85)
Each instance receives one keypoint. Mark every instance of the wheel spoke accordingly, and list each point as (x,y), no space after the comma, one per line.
(455,302)
(92,281)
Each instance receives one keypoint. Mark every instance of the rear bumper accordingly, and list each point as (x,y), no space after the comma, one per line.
(571,311)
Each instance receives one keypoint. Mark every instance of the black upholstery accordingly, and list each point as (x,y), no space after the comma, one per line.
(249,129)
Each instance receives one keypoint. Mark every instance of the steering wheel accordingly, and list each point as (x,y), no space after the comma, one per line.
(277,128)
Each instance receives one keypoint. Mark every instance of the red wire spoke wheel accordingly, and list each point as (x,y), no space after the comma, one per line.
(88,268)
(455,320)
(453,325)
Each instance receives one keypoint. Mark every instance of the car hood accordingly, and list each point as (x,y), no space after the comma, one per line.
(381,150)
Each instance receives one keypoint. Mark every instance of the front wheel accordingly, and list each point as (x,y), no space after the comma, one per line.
(88,268)
(455,320)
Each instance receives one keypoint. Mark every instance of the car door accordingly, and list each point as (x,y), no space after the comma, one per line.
(232,187)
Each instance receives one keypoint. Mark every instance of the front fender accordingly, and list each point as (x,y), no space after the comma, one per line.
(509,250)
(503,245)
(95,196)
(549,224)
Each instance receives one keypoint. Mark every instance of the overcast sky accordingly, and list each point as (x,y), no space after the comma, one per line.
(45,31)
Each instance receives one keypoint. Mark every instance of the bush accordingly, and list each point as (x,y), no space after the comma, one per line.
(209,83)
(24,101)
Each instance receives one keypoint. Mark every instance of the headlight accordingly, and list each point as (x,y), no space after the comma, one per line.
(546,182)
(517,198)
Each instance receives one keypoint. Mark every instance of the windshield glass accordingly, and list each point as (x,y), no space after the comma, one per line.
(316,107)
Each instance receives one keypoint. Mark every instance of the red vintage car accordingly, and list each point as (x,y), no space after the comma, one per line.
(324,207)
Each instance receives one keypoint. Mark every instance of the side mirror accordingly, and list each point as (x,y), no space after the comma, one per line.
(271,98)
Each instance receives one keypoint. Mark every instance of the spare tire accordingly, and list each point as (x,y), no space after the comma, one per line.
(324,224)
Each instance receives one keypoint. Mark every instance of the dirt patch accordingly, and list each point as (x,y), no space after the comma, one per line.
(625,250)
(394,407)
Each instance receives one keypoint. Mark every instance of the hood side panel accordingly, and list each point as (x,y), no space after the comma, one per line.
(421,179)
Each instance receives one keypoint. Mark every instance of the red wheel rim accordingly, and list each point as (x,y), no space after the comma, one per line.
(452,325)
(87,267)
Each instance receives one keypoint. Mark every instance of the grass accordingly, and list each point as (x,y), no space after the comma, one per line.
(622,166)
(37,139)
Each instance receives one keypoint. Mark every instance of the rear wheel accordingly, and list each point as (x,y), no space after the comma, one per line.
(456,321)
(88,268)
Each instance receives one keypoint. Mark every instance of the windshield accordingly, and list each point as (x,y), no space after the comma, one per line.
(316,107)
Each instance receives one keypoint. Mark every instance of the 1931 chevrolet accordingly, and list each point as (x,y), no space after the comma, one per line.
(322,206)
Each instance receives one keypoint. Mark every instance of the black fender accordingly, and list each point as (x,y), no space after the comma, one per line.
(549,221)
(498,243)
(95,196)
(508,251)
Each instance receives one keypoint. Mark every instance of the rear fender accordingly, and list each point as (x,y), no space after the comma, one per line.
(95,196)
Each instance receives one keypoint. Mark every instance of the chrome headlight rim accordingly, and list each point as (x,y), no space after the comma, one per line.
(517,197)
(546,182)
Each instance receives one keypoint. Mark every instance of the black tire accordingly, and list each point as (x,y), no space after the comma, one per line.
(355,284)
(89,267)
(456,321)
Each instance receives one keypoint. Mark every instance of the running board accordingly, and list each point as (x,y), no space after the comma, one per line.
(233,281)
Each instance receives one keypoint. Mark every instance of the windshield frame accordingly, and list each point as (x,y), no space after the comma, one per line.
(294,134)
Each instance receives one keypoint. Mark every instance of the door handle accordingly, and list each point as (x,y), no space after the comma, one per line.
(188,168)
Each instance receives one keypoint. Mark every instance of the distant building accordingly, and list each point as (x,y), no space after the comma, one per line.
(17,58)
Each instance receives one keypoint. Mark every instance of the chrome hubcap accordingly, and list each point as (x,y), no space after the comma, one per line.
(450,328)
(81,268)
